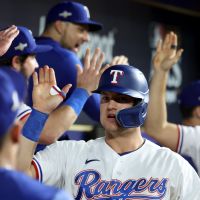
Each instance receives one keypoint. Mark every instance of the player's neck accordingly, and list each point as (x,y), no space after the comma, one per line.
(51,34)
(126,142)
(191,122)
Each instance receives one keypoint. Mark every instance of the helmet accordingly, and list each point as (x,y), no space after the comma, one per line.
(128,80)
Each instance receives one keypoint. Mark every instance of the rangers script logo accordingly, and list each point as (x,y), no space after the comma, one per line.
(91,186)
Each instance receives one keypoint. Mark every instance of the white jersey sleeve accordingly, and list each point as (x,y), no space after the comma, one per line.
(23,111)
(53,163)
(187,180)
(189,143)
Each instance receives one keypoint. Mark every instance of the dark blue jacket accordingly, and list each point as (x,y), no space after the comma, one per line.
(17,186)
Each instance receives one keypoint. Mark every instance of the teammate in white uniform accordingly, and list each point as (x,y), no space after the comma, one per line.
(188,144)
(183,139)
(121,165)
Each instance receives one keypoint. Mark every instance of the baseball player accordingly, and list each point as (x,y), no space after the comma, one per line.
(121,165)
(67,28)
(183,139)
(15,185)
(21,56)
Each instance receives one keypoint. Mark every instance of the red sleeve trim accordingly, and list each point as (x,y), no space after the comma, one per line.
(25,116)
(36,169)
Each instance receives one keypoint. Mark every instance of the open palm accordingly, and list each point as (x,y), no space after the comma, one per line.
(43,100)
(166,56)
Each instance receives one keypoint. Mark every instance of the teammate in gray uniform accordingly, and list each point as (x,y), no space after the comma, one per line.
(121,165)
(185,138)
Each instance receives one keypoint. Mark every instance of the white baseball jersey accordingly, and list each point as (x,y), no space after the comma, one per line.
(189,143)
(93,170)
(23,111)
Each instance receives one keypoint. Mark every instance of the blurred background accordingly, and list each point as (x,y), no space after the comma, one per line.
(131,28)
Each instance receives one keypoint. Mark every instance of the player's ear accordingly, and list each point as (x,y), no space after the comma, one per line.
(197,110)
(59,26)
(15,133)
(16,63)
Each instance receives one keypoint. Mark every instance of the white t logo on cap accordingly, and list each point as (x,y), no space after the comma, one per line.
(87,11)
(115,74)
(65,14)
(21,46)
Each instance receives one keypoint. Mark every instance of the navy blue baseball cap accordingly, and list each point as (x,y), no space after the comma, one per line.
(190,95)
(72,12)
(12,92)
(24,44)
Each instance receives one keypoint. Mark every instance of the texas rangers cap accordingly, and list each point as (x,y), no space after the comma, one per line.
(13,87)
(24,44)
(190,95)
(72,12)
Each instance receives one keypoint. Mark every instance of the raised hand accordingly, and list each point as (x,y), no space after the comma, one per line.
(6,38)
(43,99)
(166,53)
(119,60)
(88,76)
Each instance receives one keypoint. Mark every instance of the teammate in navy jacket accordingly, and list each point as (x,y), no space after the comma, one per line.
(67,27)
(15,185)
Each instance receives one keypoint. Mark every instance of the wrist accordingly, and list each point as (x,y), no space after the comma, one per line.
(84,88)
(77,99)
(34,125)
(39,109)
(161,72)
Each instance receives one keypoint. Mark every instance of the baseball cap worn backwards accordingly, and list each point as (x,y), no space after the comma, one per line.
(12,92)
(190,95)
(72,12)
(24,44)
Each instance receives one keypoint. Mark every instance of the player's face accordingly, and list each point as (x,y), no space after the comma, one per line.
(74,35)
(29,66)
(112,102)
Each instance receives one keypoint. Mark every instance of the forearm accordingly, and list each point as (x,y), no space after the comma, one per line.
(157,111)
(58,122)
(63,117)
(25,155)
(30,135)
(156,124)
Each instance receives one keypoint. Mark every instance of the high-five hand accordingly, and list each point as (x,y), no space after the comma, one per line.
(88,76)
(43,100)
(166,53)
